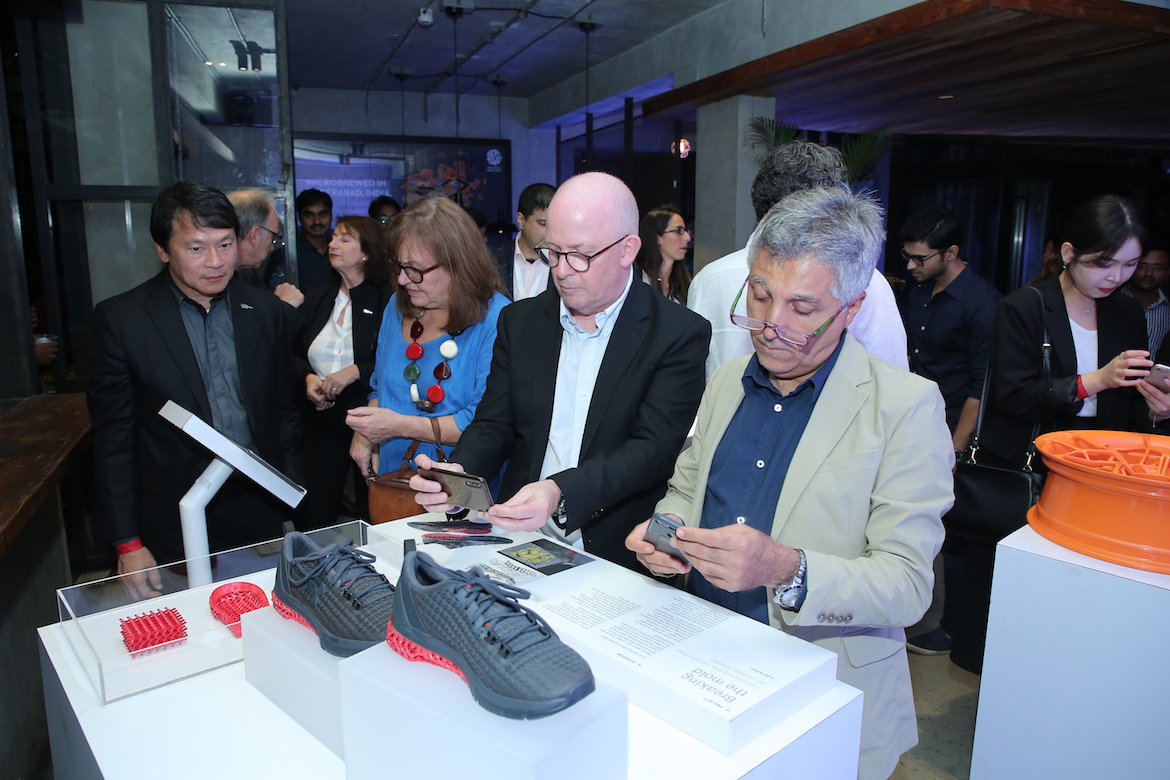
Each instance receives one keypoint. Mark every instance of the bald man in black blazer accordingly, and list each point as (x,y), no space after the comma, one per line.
(643,395)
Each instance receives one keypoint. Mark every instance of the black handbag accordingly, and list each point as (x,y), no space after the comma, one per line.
(992,502)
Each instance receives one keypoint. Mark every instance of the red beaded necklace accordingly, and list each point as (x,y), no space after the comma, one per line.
(414,351)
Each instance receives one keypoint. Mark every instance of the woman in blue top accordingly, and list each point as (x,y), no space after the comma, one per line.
(435,343)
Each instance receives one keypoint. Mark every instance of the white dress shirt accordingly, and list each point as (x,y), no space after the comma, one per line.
(332,349)
(528,279)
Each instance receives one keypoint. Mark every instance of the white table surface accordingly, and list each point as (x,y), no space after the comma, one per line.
(217,725)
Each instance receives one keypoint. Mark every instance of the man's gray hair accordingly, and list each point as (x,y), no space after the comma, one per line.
(252,208)
(841,230)
(794,166)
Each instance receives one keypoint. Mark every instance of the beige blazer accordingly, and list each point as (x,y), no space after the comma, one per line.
(864,497)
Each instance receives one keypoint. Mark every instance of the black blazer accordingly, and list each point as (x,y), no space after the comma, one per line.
(645,397)
(369,301)
(504,255)
(141,358)
(1019,396)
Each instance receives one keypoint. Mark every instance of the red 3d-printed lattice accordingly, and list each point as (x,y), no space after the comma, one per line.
(153,631)
(230,601)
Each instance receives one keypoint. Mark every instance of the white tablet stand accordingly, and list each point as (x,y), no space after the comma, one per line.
(229,457)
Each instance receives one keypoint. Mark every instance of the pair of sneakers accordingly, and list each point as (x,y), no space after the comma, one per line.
(513,662)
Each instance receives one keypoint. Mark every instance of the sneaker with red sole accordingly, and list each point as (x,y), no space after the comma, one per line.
(333,591)
(513,662)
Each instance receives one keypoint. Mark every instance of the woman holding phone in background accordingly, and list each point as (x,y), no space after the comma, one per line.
(1098,359)
(1099,348)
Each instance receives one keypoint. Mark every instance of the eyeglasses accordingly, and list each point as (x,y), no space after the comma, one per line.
(277,238)
(413,274)
(577,261)
(678,231)
(918,259)
(794,337)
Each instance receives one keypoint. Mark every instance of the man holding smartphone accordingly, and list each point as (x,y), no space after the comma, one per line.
(593,385)
(813,493)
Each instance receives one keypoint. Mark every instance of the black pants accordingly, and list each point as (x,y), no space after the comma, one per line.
(970,628)
(328,465)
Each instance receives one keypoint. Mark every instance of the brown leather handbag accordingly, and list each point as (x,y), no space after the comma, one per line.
(391,497)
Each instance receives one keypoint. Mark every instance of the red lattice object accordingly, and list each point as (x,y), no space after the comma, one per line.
(153,631)
(289,614)
(230,601)
(417,653)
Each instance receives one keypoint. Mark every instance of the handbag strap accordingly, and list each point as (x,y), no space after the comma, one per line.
(1046,371)
(438,440)
(408,456)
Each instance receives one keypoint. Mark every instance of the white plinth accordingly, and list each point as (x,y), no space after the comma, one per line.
(1075,681)
(439,731)
(718,676)
(284,661)
(182,727)
(211,726)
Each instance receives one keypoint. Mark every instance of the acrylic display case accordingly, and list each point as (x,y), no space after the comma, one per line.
(92,616)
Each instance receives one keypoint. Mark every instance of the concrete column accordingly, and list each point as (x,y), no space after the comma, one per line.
(724,218)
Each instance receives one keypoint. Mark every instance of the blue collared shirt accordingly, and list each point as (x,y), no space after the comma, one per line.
(750,465)
(580,360)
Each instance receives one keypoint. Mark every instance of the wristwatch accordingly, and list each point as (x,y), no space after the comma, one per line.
(791,596)
(558,515)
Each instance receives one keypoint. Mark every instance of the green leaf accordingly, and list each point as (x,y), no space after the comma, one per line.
(862,152)
(765,134)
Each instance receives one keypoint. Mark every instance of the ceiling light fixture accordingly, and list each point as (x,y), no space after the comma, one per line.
(401,74)
(499,82)
(241,54)
(455,10)
(588,24)
(945,97)
(254,52)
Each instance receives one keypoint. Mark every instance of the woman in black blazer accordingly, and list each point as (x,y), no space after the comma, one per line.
(335,362)
(1099,351)
(1098,357)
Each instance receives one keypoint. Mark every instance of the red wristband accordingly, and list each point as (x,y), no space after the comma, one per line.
(125,548)
(1082,393)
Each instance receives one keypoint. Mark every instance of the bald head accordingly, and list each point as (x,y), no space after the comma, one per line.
(598,197)
(594,217)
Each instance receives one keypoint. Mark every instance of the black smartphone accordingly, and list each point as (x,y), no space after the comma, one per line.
(465,490)
(659,533)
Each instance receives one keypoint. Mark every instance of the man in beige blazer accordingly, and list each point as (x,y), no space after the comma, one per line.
(836,546)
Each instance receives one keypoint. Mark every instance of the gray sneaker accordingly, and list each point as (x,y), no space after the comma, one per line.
(465,622)
(334,592)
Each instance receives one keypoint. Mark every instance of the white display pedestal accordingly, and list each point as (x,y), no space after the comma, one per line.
(276,651)
(432,710)
(217,725)
(1075,681)
(214,725)
(718,676)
